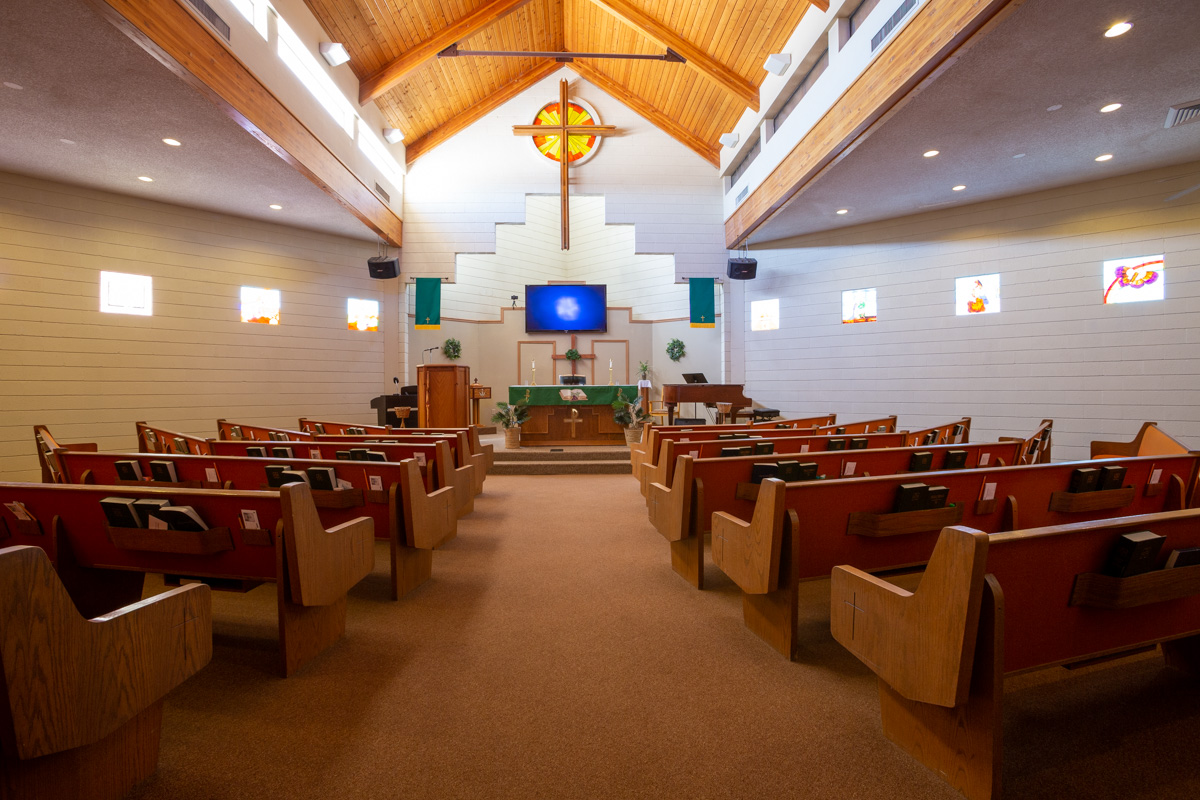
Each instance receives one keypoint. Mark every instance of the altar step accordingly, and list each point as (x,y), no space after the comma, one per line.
(564,461)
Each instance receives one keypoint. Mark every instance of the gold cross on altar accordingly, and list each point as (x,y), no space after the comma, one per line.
(558,357)
(564,132)
(573,421)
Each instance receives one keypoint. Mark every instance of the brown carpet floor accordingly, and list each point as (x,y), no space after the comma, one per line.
(554,654)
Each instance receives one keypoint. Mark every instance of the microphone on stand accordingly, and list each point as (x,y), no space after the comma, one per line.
(428,350)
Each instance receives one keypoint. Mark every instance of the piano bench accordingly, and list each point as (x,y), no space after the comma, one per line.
(763,414)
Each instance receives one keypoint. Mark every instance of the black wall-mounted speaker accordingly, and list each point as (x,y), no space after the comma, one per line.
(384,266)
(742,269)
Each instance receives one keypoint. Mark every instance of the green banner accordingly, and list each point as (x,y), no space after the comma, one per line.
(704,308)
(571,395)
(429,304)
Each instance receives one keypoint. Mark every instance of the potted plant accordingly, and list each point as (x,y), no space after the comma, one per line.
(644,370)
(511,417)
(631,417)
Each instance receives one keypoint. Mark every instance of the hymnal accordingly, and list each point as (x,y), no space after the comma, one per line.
(721,436)
(728,452)
(358,454)
(957,433)
(1184,557)
(760,471)
(858,444)
(788,470)
(342,455)
(836,444)
(322,478)
(806,471)
(128,470)
(1133,554)
(920,462)
(839,430)
(1112,477)
(163,471)
(181,518)
(256,452)
(275,475)
(910,497)
(147,506)
(930,438)
(955,459)
(782,425)
(318,427)
(375,455)
(235,432)
(764,448)
(936,497)
(282,452)
(180,445)
(120,513)
(1084,479)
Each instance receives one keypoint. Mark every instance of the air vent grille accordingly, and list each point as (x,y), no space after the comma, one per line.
(211,17)
(1188,112)
(742,194)
(893,21)
(379,190)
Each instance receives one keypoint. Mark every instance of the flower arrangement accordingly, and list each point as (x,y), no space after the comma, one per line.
(572,355)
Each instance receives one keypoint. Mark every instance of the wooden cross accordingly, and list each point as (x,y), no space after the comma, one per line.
(557,357)
(564,132)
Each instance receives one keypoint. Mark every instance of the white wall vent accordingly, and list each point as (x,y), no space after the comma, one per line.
(742,194)
(211,17)
(1186,112)
(893,21)
(379,190)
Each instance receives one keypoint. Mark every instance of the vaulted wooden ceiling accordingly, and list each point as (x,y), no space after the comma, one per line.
(393,47)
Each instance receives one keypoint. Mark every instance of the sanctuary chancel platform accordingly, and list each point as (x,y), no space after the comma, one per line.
(571,415)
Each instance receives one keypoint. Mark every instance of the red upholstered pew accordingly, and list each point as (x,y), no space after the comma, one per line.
(82,699)
(258,433)
(439,470)
(46,446)
(800,531)
(465,457)
(990,606)
(325,428)
(391,494)
(682,512)
(253,537)
(159,440)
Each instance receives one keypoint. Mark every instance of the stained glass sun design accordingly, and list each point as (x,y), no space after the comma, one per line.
(579,147)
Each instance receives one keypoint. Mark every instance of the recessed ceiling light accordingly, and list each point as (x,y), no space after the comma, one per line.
(145,179)
(172,142)
(958,188)
(16,86)
(1118,29)
(1105,157)
(276,206)
(1110,107)
(1055,107)
(67,141)
(1019,155)
(930,153)
(843,211)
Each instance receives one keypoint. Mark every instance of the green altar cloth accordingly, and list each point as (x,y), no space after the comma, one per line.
(557,395)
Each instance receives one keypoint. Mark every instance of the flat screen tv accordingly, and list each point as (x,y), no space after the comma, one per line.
(566,309)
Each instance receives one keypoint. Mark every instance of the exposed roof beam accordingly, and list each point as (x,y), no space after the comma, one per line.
(697,59)
(185,46)
(934,38)
(396,71)
(493,101)
(708,152)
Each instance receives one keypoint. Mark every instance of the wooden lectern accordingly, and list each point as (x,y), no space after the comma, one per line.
(443,391)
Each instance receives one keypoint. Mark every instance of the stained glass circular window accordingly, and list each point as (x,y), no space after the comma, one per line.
(580,147)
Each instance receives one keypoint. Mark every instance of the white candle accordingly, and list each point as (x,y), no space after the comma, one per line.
(533,365)
(610,363)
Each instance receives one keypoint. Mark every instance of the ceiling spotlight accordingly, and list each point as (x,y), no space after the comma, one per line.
(1118,29)
(172,142)
(729,139)
(1110,107)
(16,86)
(276,206)
(334,53)
(931,153)
(1019,155)
(393,135)
(67,141)
(144,179)
(843,211)
(1105,157)
(1055,107)
(958,188)
(777,63)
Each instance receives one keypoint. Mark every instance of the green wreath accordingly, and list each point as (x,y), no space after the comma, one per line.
(452,349)
(572,355)
(675,349)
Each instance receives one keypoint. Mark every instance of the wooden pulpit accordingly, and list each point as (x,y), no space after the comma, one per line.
(443,394)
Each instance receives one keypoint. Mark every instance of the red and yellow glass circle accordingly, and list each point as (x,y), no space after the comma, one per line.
(550,145)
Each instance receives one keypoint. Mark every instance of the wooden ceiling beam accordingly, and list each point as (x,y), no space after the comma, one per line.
(933,40)
(493,101)
(697,58)
(708,152)
(397,70)
(184,45)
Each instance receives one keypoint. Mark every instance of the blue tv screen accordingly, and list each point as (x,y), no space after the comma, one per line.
(569,309)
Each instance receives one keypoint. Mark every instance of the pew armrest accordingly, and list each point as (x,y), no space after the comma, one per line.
(322,564)
(429,519)
(1150,441)
(70,682)
(922,643)
(749,552)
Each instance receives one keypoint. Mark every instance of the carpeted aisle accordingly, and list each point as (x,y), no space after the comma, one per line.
(554,654)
